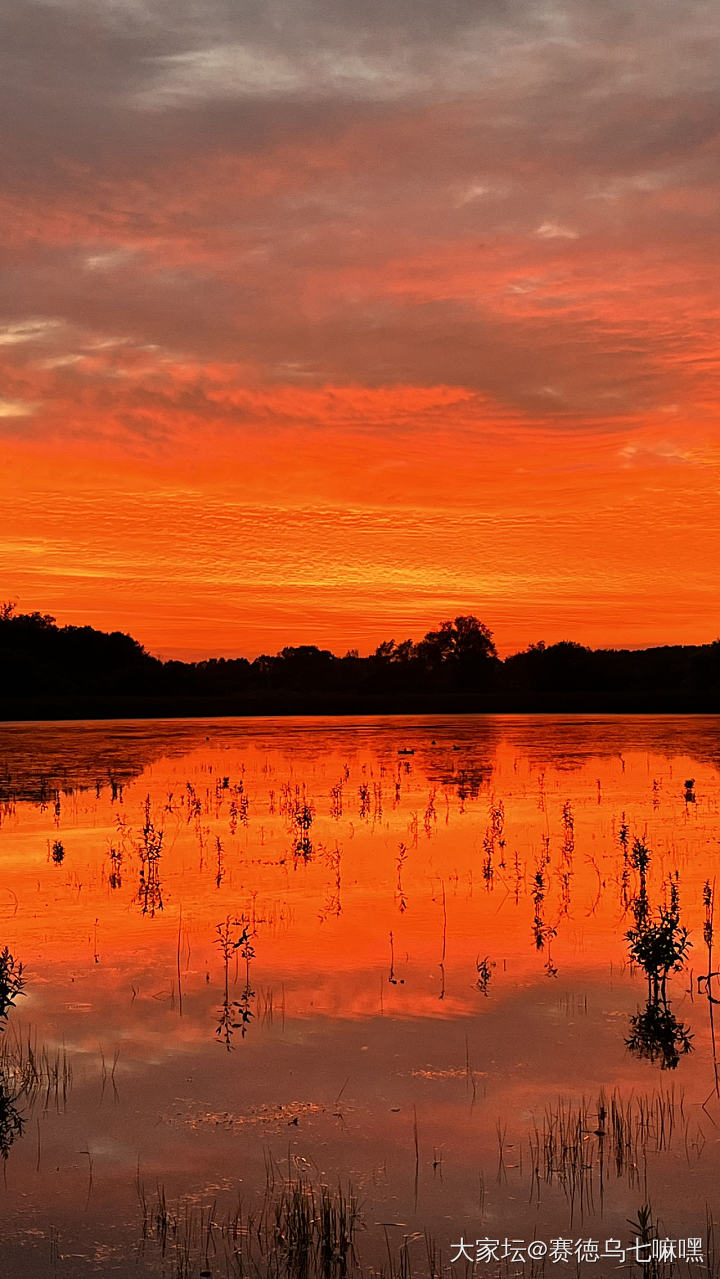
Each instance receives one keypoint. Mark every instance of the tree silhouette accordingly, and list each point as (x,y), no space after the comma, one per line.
(465,640)
(52,672)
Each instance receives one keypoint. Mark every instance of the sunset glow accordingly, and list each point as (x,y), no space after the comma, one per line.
(324,322)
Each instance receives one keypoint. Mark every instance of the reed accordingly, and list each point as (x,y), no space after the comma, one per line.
(34,1072)
(578,1146)
(301,1230)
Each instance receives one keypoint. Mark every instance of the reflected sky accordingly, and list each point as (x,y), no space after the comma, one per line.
(296,940)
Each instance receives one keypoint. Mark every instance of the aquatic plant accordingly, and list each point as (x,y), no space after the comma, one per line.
(12,983)
(659,945)
(302,815)
(57,852)
(333,903)
(232,937)
(580,1145)
(36,1073)
(705,980)
(115,856)
(301,1230)
(400,898)
(149,852)
(484,969)
(542,932)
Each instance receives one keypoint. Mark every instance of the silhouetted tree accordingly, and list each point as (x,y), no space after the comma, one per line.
(463,641)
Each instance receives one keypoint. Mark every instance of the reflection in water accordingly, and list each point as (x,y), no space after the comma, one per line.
(235,940)
(11,1123)
(388,925)
(303,1230)
(657,1035)
(149,852)
(11,985)
(28,1073)
(302,815)
(333,902)
(659,944)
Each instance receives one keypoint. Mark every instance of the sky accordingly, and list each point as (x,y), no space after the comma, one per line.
(323,321)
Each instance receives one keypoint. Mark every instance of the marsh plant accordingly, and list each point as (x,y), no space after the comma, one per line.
(235,940)
(400,898)
(301,1230)
(484,969)
(57,852)
(581,1146)
(37,1074)
(150,851)
(706,979)
(115,856)
(12,983)
(542,932)
(659,944)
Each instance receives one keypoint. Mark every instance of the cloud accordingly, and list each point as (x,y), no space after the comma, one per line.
(16,408)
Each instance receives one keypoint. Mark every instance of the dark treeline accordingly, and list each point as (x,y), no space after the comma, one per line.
(50,671)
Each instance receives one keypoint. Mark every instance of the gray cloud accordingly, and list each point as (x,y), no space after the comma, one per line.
(273,183)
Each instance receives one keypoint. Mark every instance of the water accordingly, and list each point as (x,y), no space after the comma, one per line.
(271,953)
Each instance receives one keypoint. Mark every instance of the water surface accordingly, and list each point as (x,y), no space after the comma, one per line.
(385,954)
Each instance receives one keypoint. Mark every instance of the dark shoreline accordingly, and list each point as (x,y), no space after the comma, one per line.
(49,672)
(129,707)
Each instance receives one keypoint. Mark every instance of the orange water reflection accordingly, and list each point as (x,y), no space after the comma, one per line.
(431,919)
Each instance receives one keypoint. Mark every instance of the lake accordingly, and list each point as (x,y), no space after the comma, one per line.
(328,996)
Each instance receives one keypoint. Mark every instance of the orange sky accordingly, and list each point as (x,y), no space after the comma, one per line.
(322,323)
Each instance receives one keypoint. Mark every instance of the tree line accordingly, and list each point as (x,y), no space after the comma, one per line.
(51,671)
